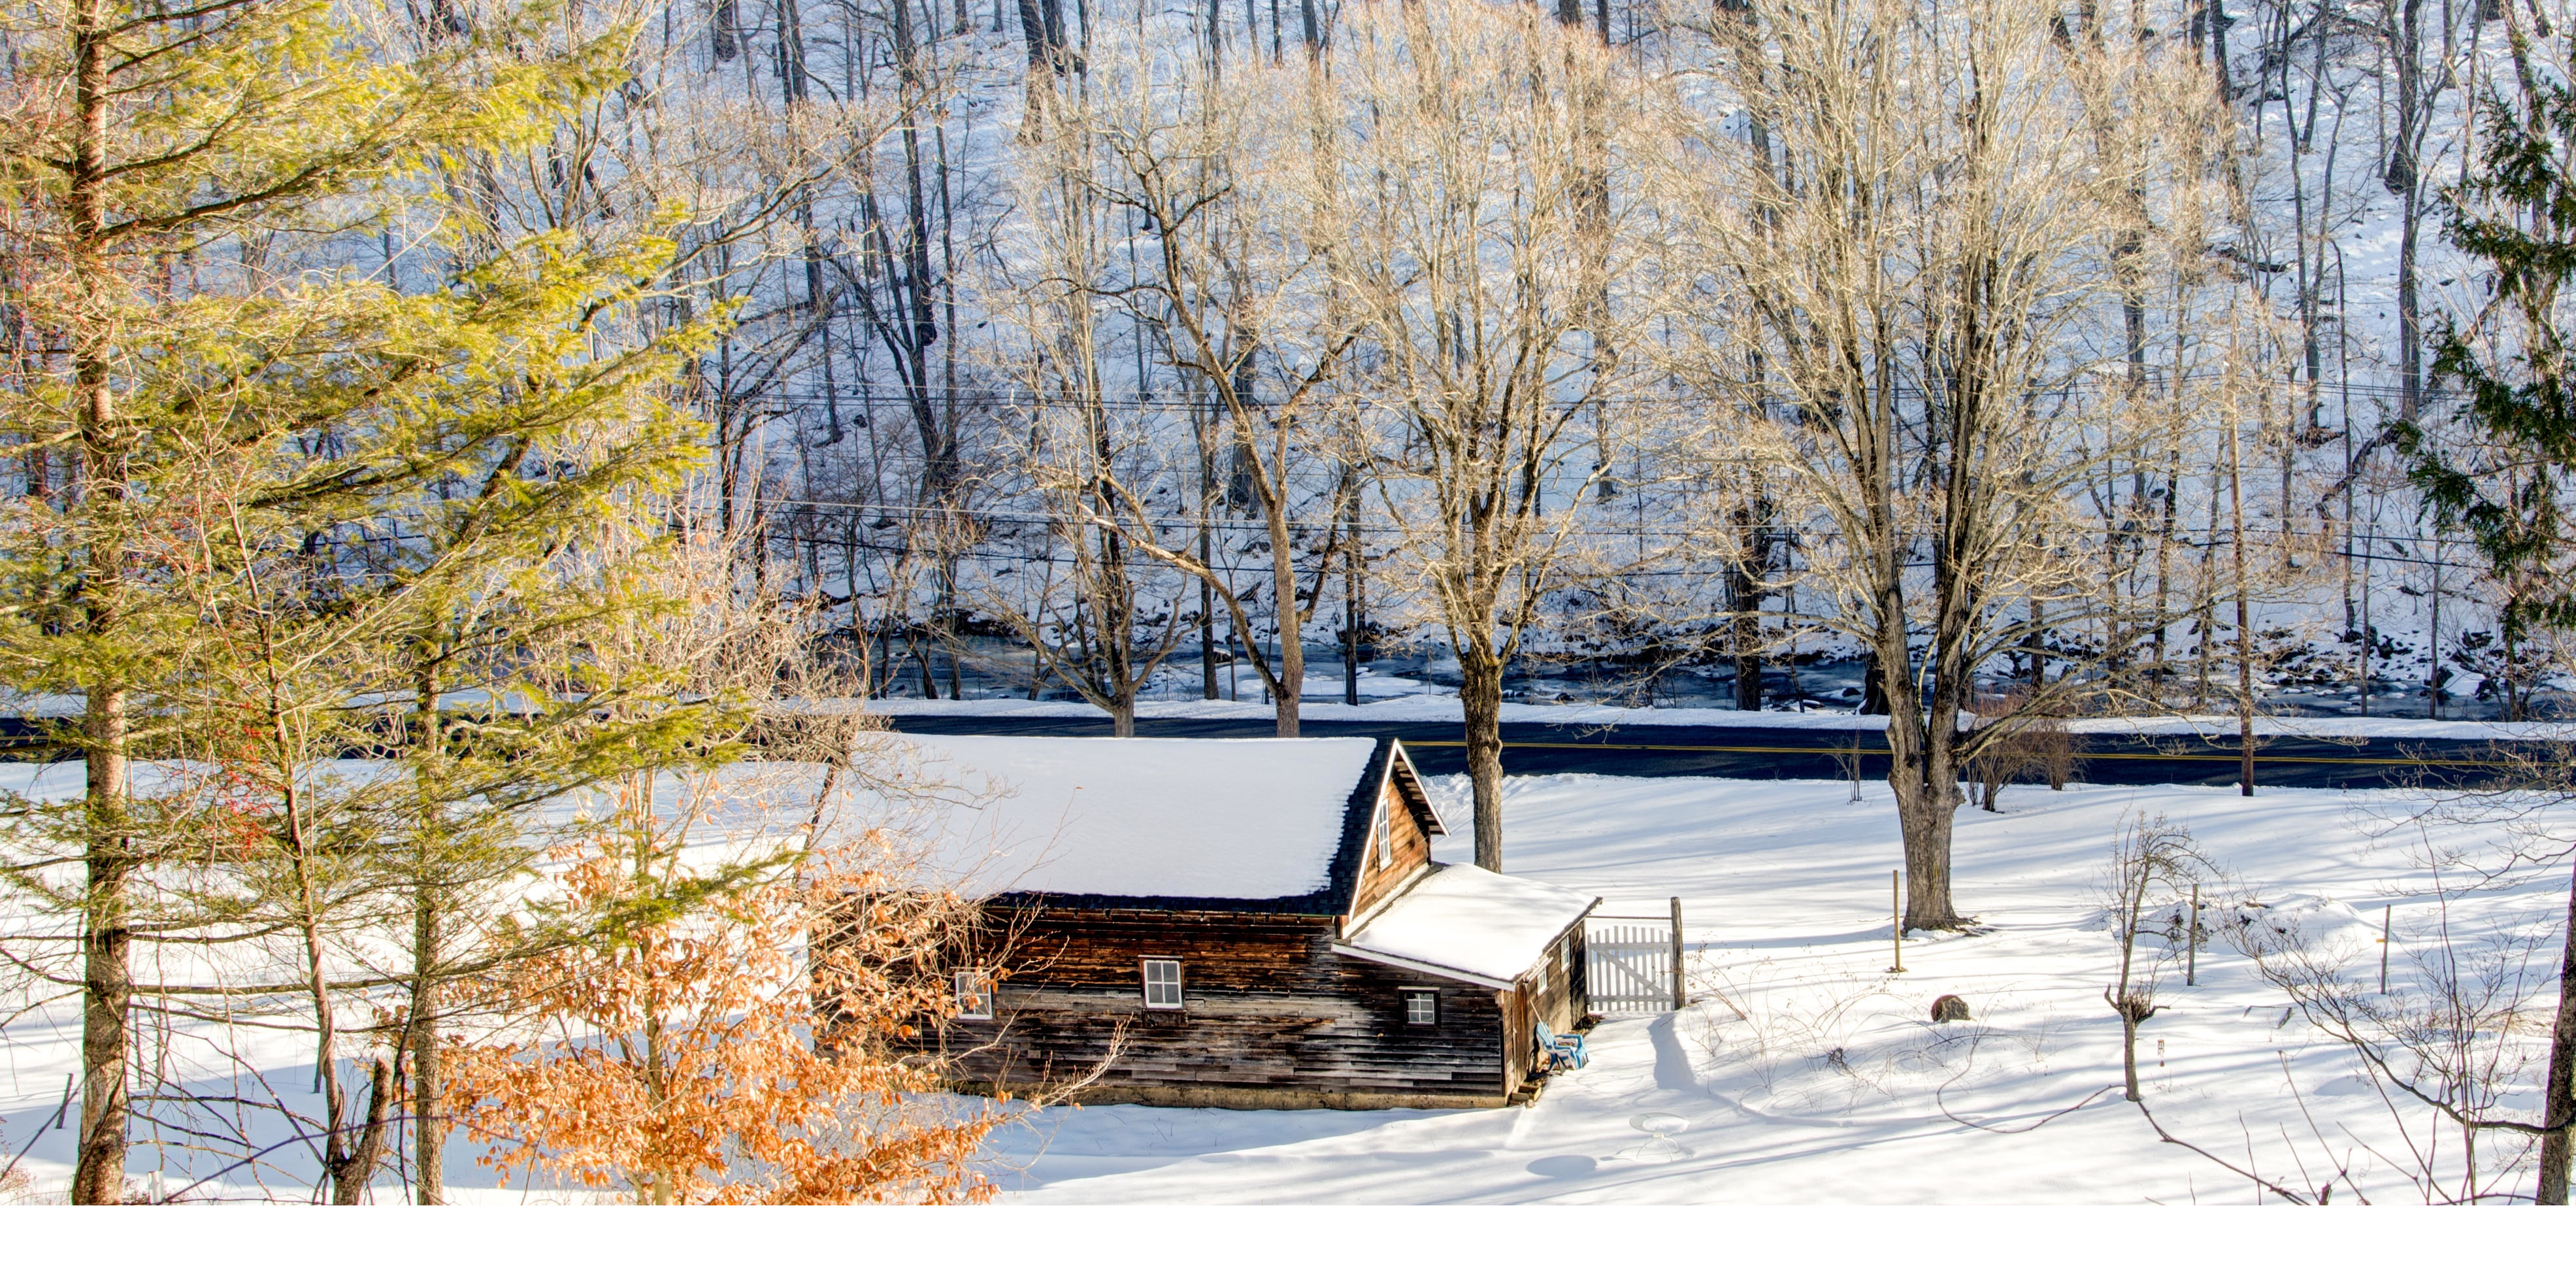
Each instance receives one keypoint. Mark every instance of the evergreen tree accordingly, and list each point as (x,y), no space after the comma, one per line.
(2509,474)
(234,423)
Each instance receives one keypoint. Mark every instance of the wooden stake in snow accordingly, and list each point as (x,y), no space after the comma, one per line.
(1896,916)
(1677,952)
(2385,912)
(2191,955)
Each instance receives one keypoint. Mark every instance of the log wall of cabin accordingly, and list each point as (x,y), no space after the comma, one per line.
(1556,986)
(1520,1037)
(1412,850)
(1268,1009)
(1552,991)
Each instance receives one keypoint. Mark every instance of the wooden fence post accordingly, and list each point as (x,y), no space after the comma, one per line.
(2386,911)
(1896,918)
(2191,956)
(1677,953)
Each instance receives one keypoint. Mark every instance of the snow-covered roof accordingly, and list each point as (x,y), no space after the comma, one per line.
(1211,820)
(1461,920)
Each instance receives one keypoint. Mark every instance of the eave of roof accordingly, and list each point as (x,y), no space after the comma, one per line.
(1425,967)
(1408,780)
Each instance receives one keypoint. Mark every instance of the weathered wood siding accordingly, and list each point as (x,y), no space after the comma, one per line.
(1520,1040)
(1412,850)
(1552,991)
(1556,984)
(1270,1015)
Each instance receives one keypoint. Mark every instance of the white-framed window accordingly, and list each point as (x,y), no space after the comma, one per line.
(1385,828)
(974,993)
(1162,983)
(1421,1006)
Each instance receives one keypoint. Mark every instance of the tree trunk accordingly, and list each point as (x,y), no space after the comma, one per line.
(1033,32)
(1923,772)
(1925,805)
(349,1178)
(1744,589)
(1207,627)
(1290,690)
(1480,704)
(929,672)
(1746,637)
(2558,1104)
(420,1031)
(2244,617)
(1291,680)
(107,990)
(1352,558)
(1122,714)
(2129,1059)
(420,1038)
(2218,24)
(107,936)
(2404,179)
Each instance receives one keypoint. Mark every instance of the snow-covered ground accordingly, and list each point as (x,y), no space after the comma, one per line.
(1807,1073)
(1804,1072)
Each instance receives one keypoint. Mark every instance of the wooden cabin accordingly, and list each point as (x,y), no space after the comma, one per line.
(1244,924)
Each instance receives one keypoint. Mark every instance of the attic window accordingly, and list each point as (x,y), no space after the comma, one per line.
(1162,984)
(1385,830)
(974,994)
(1421,1006)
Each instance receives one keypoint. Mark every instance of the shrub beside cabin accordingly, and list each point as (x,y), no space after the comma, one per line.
(1252,923)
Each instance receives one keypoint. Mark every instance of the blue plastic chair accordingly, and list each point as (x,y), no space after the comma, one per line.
(1561,1050)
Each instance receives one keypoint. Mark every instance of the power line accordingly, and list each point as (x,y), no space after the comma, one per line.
(1016,400)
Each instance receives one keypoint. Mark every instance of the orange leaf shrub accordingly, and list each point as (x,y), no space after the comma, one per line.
(758,1046)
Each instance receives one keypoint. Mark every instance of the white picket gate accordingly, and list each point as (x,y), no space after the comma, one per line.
(1631,963)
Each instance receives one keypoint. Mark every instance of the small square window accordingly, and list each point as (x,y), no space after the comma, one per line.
(974,994)
(1421,1006)
(1162,984)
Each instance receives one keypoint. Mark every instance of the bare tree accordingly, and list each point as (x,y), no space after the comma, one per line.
(1236,295)
(901,217)
(2150,858)
(1465,198)
(1099,608)
(1911,261)
(2445,1042)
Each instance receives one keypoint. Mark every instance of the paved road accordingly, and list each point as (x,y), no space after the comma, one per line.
(1784,753)
(1752,753)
